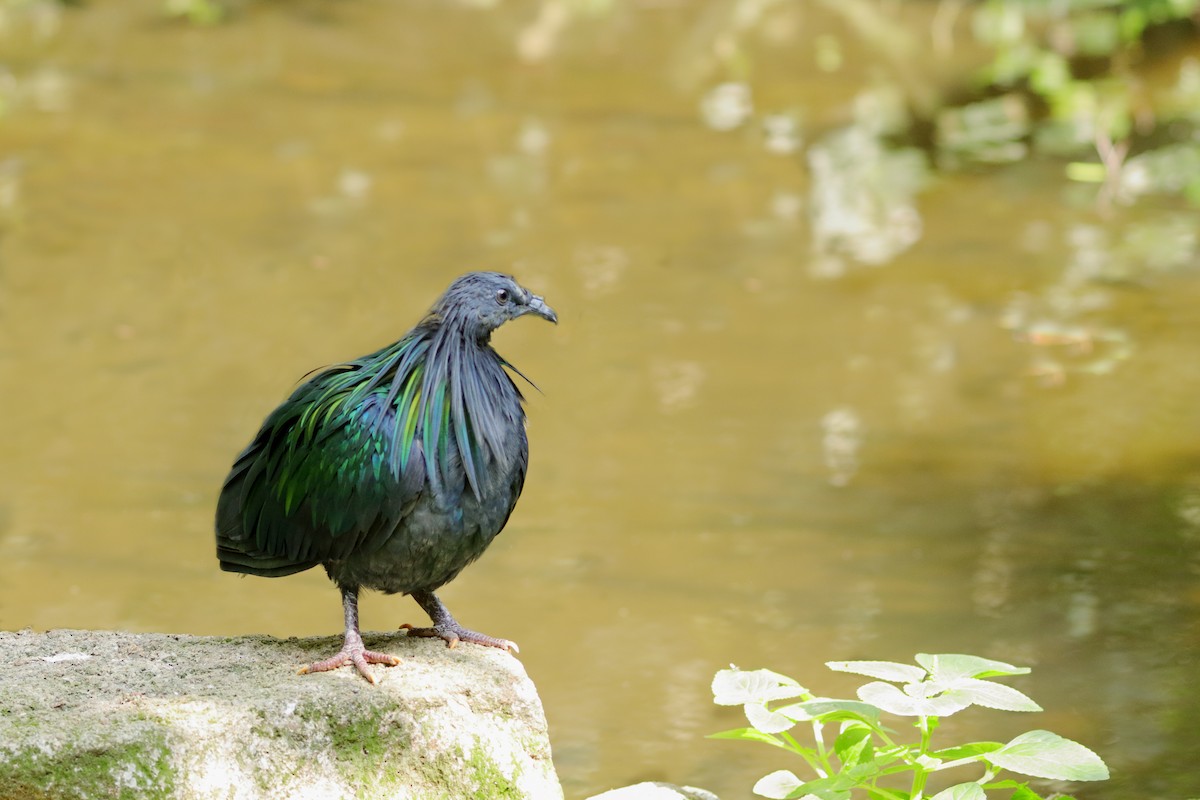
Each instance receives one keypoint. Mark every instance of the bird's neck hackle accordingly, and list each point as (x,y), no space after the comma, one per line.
(449,318)
(465,397)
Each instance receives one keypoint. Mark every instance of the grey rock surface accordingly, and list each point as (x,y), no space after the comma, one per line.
(88,714)
(655,790)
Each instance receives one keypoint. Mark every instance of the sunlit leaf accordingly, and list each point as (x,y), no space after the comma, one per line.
(777,785)
(995,695)
(766,720)
(830,710)
(735,687)
(1047,755)
(892,700)
(928,762)
(889,698)
(949,666)
(883,670)
(962,791)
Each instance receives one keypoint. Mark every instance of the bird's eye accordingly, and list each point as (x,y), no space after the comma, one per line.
(502,296)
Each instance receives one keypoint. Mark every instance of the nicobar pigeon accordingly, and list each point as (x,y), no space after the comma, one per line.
(393,471)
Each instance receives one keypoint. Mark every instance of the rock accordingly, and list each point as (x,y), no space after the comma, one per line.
(653,790)
(117,715)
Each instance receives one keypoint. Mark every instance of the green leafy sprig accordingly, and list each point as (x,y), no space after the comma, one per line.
(863,754)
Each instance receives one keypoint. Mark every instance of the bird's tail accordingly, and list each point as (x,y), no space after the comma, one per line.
(237,551)
(232,554)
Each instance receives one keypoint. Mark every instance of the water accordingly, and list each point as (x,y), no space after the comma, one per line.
(753,444)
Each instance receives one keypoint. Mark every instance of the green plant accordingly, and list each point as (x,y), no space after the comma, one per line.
(864,755)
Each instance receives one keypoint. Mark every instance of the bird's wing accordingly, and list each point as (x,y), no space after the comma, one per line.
(333,472)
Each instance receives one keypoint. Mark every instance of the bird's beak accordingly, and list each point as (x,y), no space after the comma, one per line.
(538,306)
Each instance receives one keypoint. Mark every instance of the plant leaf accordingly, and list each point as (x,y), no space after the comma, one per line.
(853,745)
(736,687)
(766,720)
(778,785)
(835,787)
(966,750)
(950,666)
(884,670)
(749,735)
(928,762)
(962,791)
(892,700)
(853,777)
(828,710)
(1022,791)
(995,695)
(1047,755)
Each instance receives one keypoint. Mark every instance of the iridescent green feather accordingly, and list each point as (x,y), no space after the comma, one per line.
(408,407)
(348,436)
(432,429)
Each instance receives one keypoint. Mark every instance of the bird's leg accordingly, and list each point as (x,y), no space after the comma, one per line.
(445,626)
(352,651)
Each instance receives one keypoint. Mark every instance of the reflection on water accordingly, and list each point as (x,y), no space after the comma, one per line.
(985,443)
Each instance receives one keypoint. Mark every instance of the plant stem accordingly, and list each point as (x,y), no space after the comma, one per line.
(821,752)
(880,732)
(807,754)
(920,773)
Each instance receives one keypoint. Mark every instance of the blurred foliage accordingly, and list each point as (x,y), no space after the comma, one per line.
(1061,78)
(1076,61)
(198,12)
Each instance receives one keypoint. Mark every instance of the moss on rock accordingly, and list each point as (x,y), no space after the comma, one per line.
(111,715)
(130,770)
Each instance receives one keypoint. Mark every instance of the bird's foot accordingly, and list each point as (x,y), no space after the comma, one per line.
(453,633)
(354,654)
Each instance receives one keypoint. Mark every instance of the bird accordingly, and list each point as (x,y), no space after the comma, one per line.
(393,471)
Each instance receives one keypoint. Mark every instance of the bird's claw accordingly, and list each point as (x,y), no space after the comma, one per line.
(453,634)
(357,656)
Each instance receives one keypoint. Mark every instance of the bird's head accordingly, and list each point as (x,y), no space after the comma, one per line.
(480,302)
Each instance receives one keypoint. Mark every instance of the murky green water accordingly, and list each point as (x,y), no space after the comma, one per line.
(751,447)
